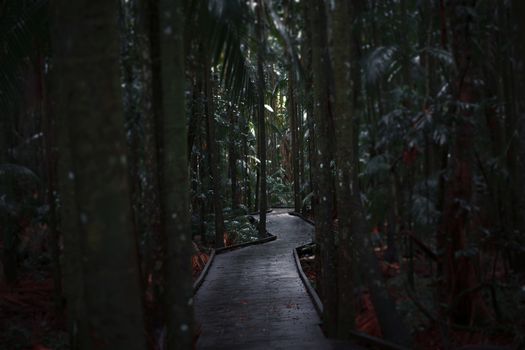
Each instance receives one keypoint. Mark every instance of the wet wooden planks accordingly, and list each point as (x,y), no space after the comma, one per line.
(252,298)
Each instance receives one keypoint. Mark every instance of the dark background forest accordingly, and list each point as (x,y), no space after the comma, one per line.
(136,136)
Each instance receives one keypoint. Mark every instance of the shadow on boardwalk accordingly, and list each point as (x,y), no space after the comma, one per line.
(253,298)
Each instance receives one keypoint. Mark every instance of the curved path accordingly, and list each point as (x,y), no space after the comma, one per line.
(253,298)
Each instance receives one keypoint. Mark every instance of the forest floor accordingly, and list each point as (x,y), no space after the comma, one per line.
(28,319)
(426,333)
(253,298)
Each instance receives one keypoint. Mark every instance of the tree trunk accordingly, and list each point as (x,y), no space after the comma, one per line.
(309,105)
(213,154)
(520,219)
(86,45)
(323,167)
(150,195)
(246,173)
(300,146)
(8,217)
(517,165)
(174,175)
(342,56)
(232,158)
(50,151)
(261,48)
(292,115)
(354,244)
(459,269)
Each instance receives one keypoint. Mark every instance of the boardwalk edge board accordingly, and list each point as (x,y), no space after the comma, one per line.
(299,215)
(247,244)
(360,337)
(257,213)
(198,282)
(309,289)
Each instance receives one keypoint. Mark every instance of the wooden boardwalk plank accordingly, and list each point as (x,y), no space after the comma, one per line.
(252,298)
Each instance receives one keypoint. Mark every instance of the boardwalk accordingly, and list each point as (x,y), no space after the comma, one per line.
(253,298)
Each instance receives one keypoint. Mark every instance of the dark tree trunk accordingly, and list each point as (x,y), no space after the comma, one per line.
(300,146)
(309,105)
(9,228)
(174,175)
(517,164)
(50,151)
(246,173)
(520,106)
(261,48)
(459,269)
(150,193)
(213,156)
(232,158)
(292,115)
(89,102)
(323,167)
(342,55)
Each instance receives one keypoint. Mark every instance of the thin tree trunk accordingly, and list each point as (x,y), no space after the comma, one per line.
(292,115)
(342,57)
(460,272)
(519,7)
(309,105)
(50,150)
(323,167)
(261,119)
(516,133)
(8,262)
(232,159)
(246,172)
(300,146)
(213,154)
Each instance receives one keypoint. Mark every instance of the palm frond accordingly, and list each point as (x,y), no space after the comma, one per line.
(281,33)
(443,56)
(379,62)
(224,29)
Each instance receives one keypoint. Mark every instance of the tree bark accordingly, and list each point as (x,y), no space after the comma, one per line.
(50,151)
(232,158)
(459,269)
(85,41)
(292,115)
(150,193)
(518,203)
(261,48)
(324,166)
(213,156)
(174,175)
(342,59)
(520,10)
